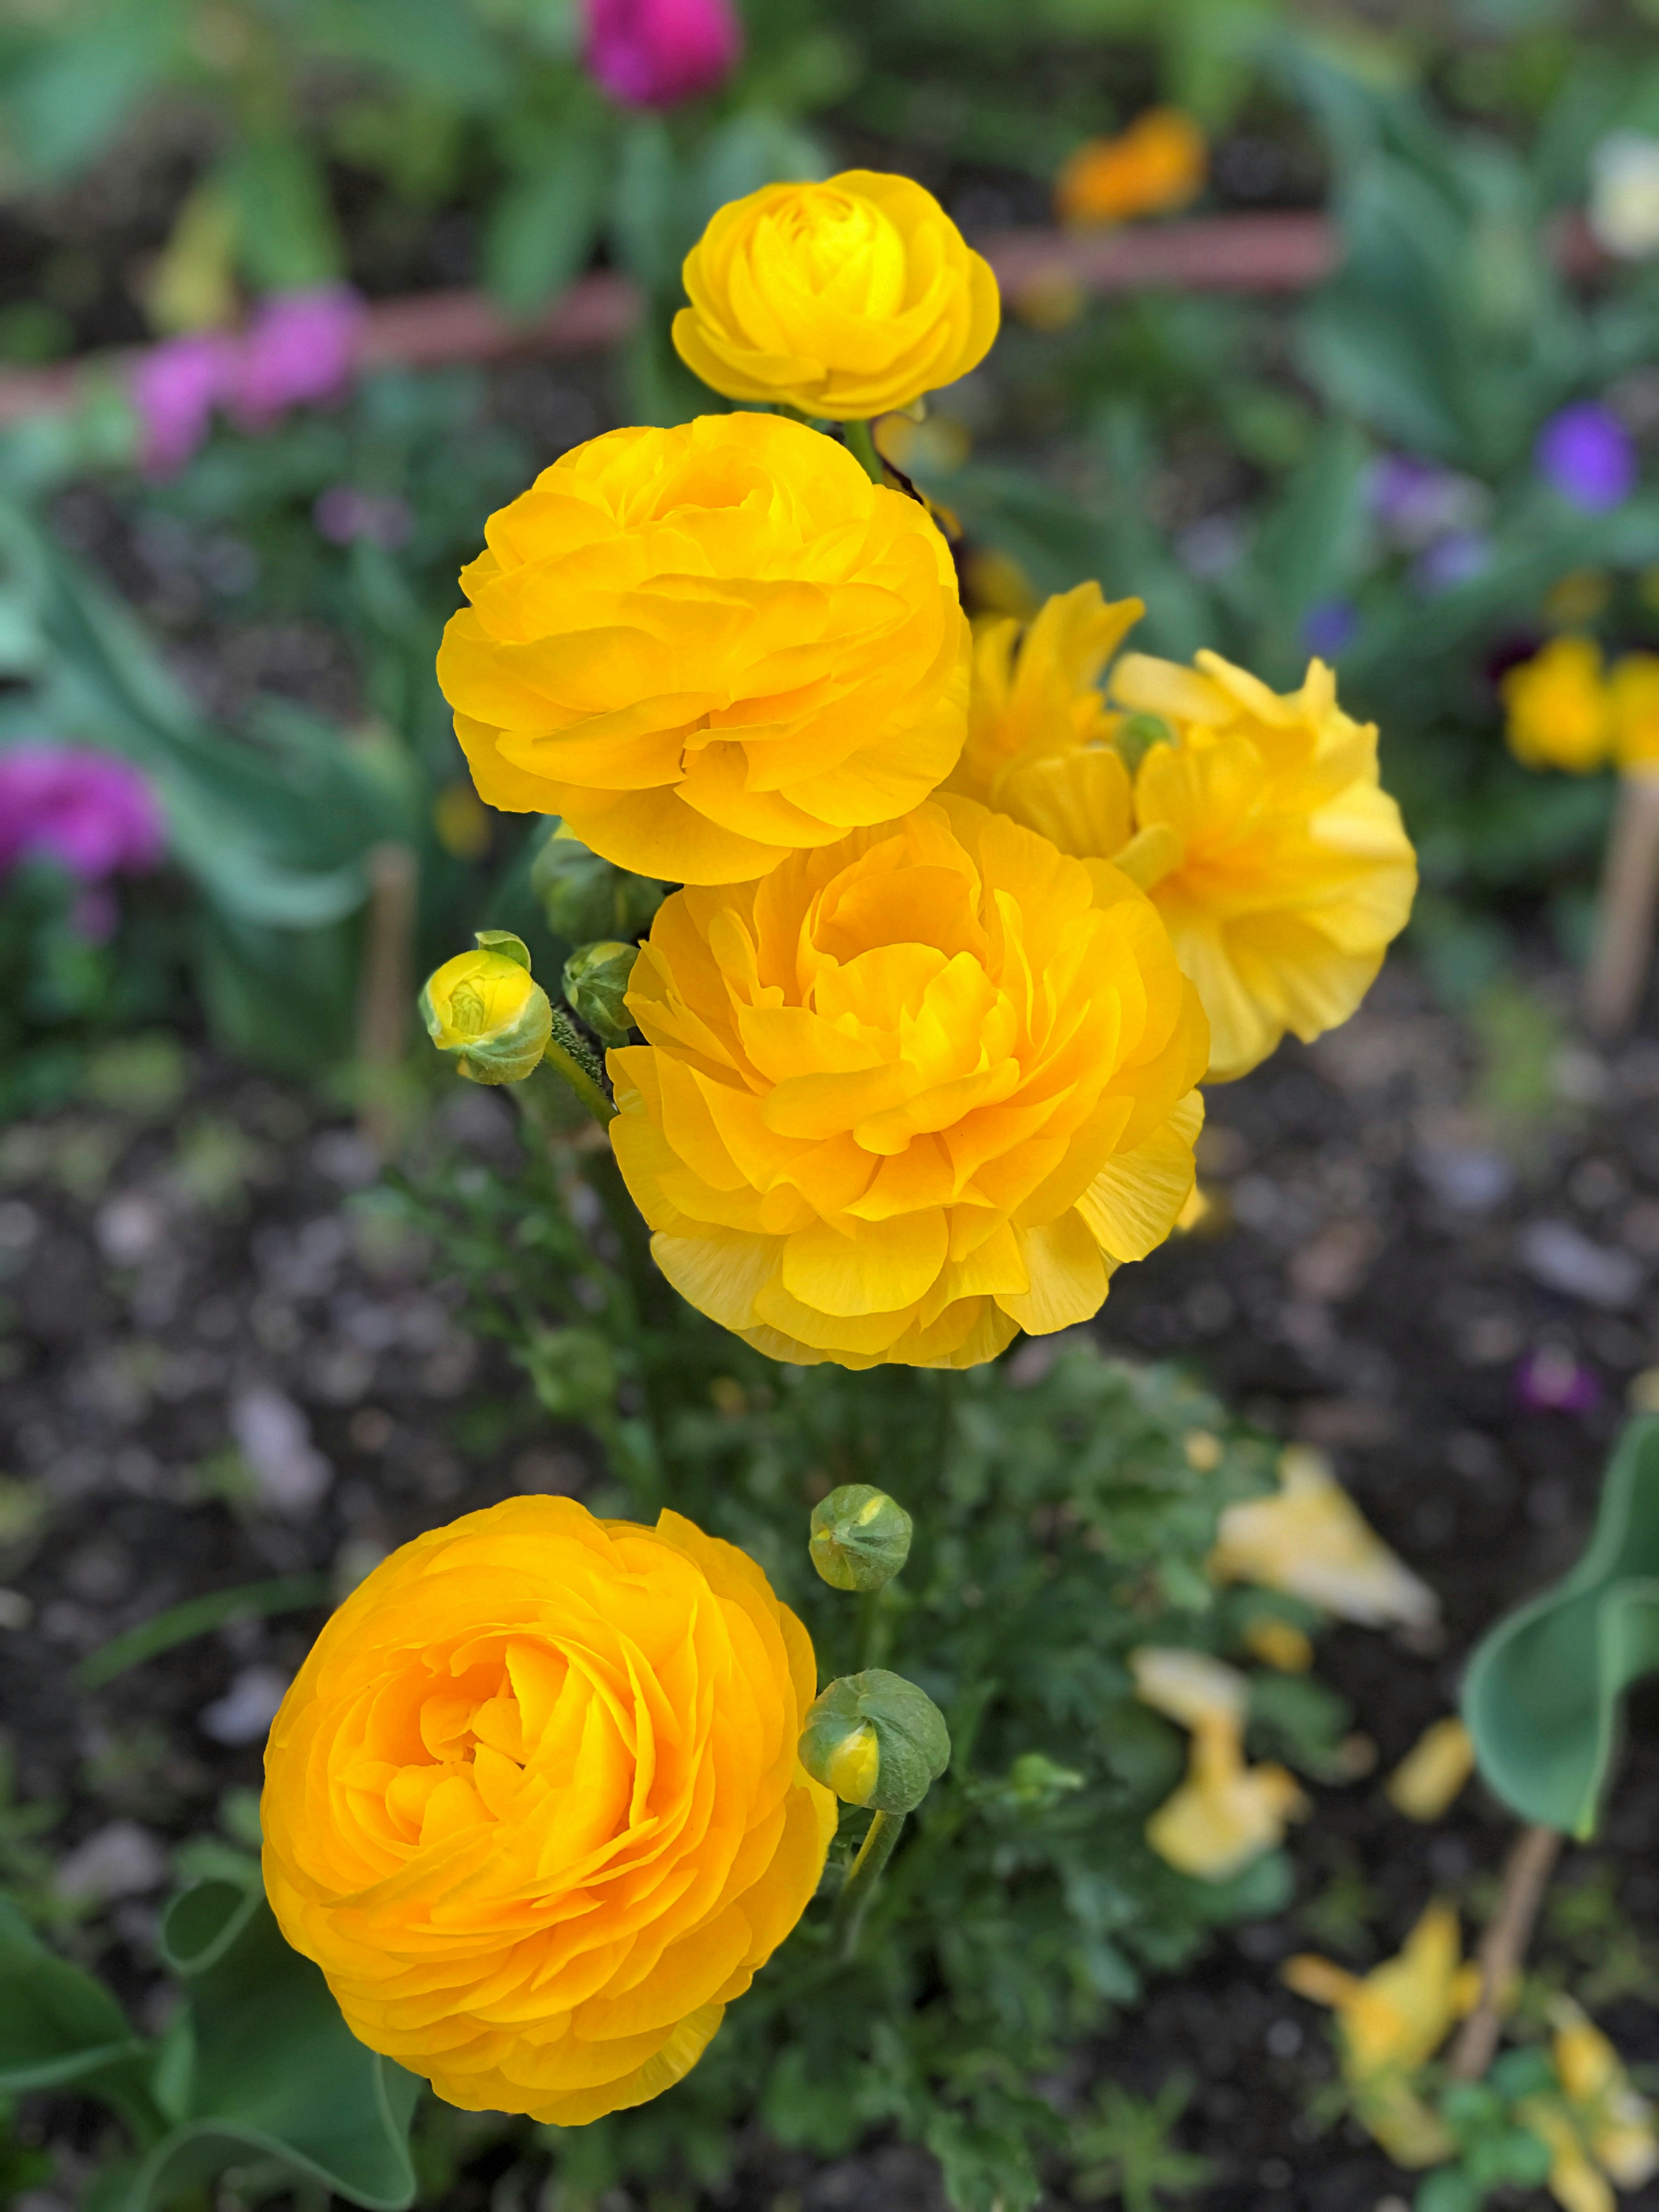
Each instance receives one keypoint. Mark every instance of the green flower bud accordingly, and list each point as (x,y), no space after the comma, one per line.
(573,1371)
(584,897)
(860,1537)
(1136,735)
(595,985)
(487,1010)
(876,1740)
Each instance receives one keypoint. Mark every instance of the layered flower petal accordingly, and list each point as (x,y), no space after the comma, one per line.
(707,646)
(533,1803)
(909,1093)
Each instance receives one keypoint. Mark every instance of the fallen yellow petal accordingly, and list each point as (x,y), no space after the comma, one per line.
(1432,1772)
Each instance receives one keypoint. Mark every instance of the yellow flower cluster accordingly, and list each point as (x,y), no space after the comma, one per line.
(920,1051)
(533,1803)
(1566,709)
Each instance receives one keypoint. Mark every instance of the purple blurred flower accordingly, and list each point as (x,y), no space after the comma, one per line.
(653,53)
(1329,630)
(298,351)
(1453,560)
(175,388)
(342,514)
(1586,454)
(1416,501)
(1551,1380)
(89,812)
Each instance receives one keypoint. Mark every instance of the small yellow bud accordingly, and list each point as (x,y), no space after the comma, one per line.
(876,1740)
(486,1009)
(860,1537)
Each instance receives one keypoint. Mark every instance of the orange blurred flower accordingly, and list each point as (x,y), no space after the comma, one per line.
(1158,164)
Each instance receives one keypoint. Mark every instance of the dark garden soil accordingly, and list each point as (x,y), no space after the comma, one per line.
(218,1370)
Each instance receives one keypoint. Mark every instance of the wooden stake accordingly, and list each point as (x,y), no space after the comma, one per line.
(386,995)
(1624,908)
(1526,1876)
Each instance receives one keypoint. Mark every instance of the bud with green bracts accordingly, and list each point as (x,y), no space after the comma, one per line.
(584,897)
(876,1740)
(596,984)
(860,1537)
(487,1010)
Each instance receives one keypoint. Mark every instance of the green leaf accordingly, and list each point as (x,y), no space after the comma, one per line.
(286,234)
(58,2026)
(541,230)
(275,2074)
(196,1617)
(1543,1691)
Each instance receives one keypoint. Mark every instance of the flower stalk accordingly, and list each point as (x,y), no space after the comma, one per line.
(853,1900)
(861,444)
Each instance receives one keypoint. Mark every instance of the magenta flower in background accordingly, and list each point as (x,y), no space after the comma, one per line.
(299,350)
(653,53)
(1586,453)
(91,811)
(1552,1381)
(175,388)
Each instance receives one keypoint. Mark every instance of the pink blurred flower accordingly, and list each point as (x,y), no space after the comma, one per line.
(175,388)
(298,351)
(88,810)
(653,53)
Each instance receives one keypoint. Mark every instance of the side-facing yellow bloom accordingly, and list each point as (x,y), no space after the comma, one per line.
(843,299)
(1311,1539)
(909,1094)
(533,1803)
(707,647)
(1433,1772)
(1158,164)
(1260,830)
(1393,2021)
(1225,1813)
(1559,710)
(1633,704)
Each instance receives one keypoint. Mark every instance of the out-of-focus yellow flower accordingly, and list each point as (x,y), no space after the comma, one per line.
(1558,712)
(1393,2021)
(709,646)
(1279,1644)
(994,583)
(1617,2121)
(533,1803)
(1311,1541)
(1576,2182)
(909,1095)
(1259,832)
(462,822)
(1225,1814)
(1633,701)
(843,300)
(1433,1771)
(1158,164)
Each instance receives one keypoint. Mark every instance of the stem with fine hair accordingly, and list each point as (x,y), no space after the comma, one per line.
(862,1876)
(861,445)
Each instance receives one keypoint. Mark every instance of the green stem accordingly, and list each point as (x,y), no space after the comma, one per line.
(565,1063)
(861,445)
(862,1876)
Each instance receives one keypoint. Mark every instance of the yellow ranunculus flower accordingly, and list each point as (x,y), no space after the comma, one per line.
(1559,713)
(533,1803)
(707,647)
(910,1094)
(486,1010)
(1260,833)
(1158,163)
(843,300)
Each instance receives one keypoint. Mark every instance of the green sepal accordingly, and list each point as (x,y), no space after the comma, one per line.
(1543,1692)
(504,942)
(860,1537)
(596,979)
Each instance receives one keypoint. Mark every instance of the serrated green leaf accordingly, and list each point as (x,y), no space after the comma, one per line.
(1544,1689)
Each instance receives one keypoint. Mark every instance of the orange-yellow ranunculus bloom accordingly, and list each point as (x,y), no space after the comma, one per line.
(909,1095)
(1558,707)
(709,646)
(1260,830)
(842,299)
(533,1803)
(1158,163)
